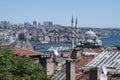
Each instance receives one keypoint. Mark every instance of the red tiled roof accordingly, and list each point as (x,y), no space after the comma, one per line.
(87,50)
(97,50)
(115,50)
(78,67)
(83,61)
(80,64)
(80,74)
(83,76)
(25,52)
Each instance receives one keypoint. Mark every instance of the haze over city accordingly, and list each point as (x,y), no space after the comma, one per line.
(90,13)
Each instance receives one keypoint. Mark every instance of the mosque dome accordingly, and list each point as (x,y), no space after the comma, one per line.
(98,41)
(89,41)
(90,35)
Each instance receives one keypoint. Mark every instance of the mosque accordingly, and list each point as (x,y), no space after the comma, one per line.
(88,39)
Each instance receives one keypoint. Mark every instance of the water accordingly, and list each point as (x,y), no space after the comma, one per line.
(45,47)
(109,41)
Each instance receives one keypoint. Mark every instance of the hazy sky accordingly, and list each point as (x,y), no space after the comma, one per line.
(90,13)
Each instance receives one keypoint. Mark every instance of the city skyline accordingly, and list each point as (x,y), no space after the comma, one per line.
(102,14)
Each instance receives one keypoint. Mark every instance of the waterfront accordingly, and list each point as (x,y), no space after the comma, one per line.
(46,46)
(109,41)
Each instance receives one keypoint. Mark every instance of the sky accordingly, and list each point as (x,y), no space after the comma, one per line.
(90,13)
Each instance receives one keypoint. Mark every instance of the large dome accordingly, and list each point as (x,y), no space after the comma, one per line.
(90,35)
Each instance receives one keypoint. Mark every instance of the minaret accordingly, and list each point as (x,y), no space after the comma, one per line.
(72,33)
(76,23)
(72,22)
(76,31)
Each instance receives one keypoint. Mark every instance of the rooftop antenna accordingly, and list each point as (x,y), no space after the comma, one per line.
(103,76)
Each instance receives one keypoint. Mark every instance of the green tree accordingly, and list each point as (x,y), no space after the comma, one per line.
(14,67)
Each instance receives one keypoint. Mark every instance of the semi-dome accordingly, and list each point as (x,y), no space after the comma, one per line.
(89,41)
(98,41)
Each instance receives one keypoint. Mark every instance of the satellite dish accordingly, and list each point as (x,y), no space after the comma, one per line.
(104,70)
(103,77)
(56,52)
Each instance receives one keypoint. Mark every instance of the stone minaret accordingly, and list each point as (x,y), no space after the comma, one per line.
(72,22)
(76,31)
(76,23)
(72,33)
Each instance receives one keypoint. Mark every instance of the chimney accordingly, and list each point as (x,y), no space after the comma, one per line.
(47,64)
(42,60)
(70,69)
(94,74)
(76,53)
